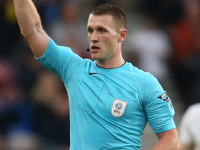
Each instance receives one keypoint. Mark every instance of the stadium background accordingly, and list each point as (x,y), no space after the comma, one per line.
(163,38)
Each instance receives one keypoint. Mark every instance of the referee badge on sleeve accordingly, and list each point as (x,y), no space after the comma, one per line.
(167,99)
(118,107)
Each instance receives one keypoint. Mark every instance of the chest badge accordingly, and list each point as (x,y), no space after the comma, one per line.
(118,108)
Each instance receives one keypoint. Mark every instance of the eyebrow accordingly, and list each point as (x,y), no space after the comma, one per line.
(97,28)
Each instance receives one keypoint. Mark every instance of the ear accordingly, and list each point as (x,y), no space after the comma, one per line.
(122,35)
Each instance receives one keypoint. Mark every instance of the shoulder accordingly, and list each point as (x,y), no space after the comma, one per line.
(145,82)
(140,78)
(138,73)
(145,78)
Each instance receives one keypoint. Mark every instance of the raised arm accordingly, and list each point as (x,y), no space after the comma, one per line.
(31,26)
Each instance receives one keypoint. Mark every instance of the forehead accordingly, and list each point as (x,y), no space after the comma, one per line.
(100,20)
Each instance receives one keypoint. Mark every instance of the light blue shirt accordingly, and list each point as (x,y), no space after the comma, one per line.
(109,108)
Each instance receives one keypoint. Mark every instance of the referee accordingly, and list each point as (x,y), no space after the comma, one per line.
(110,100)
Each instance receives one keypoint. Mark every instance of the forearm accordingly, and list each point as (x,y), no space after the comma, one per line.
(27,16)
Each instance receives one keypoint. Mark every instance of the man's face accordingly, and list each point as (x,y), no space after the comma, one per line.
(103,37)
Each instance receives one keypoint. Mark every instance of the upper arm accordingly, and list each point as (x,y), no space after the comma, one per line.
(158,107)
(171,133)
(30,26)
(38,42)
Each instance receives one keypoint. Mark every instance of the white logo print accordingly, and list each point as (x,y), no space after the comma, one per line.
(118,108)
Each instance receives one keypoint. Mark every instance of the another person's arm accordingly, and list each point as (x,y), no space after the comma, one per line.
(31,26)
(168,140)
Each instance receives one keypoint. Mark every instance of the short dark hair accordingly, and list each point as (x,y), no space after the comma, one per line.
(113,10)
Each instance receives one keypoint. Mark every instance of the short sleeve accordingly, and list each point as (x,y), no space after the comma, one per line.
(59,59)
(158,106)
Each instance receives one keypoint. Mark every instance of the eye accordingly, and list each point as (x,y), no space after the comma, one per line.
(101,30)
(90,30)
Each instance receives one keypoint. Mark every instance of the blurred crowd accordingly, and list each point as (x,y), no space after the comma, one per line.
(163,39)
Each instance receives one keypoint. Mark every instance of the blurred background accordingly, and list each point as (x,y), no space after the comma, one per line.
(163,39)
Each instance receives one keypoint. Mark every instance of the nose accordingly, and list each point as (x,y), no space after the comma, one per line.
(94,37)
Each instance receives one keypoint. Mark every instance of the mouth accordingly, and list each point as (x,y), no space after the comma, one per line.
(94,49)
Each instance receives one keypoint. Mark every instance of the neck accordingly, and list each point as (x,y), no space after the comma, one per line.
(110,64)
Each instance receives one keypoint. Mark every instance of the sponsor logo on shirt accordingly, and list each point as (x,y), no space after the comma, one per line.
(92,73)
(118,107)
